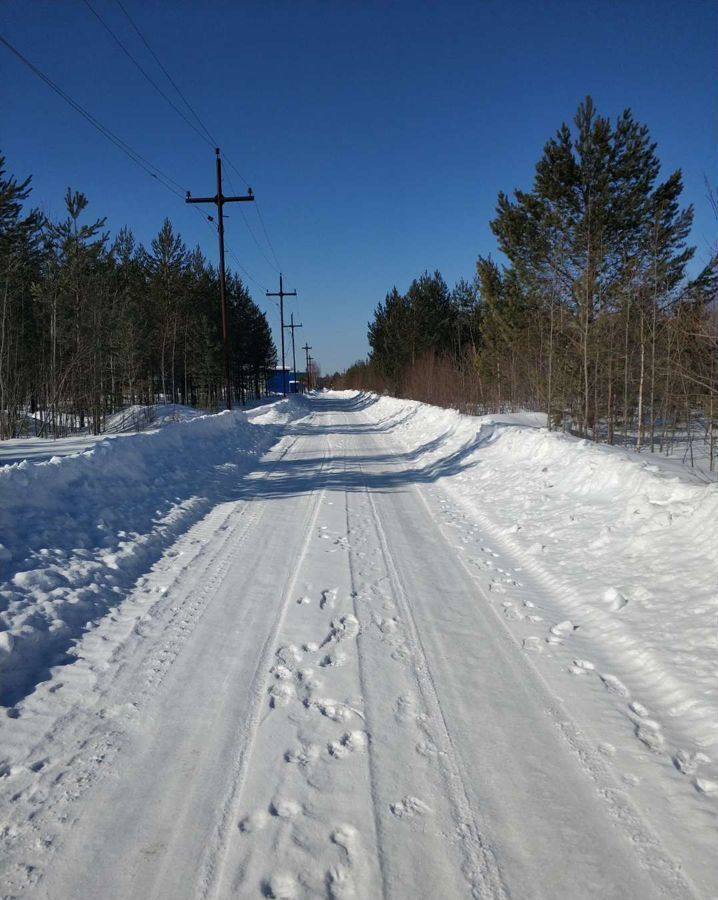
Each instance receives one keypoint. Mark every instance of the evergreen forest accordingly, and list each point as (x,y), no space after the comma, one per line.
(90,325)
(589,316)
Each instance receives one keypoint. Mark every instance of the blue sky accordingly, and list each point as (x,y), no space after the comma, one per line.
(376,135)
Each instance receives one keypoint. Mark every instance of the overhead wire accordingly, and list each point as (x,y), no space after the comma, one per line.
(266,235)
(150,168)
(146,75)
(167,74)
(153,171)
(207,134)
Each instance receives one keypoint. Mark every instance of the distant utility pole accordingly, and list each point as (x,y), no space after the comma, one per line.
(282,294)
(219,200)
(294,355)
(306,349)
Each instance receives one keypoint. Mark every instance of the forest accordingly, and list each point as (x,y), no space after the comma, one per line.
(590,317)
(89,325)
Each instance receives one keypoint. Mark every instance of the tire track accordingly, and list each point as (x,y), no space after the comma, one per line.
(213,867)
(96,732)
(481,868)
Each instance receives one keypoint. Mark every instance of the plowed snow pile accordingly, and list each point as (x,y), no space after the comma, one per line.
(624,546)
(76,531)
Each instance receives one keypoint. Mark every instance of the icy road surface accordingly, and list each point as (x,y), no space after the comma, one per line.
(319,691)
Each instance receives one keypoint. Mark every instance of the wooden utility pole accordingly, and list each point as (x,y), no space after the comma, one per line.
(292,326)
(282,294)
(219,200)
(306,349)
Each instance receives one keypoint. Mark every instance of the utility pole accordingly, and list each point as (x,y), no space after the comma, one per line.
(294,355)
(306,349)
(219,200)
(282,294)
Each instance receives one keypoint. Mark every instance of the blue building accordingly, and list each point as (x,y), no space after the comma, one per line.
(285,381)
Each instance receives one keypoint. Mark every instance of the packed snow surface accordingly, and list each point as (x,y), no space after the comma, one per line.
(350,646)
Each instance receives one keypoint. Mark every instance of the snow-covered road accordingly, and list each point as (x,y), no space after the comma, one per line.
(315,693)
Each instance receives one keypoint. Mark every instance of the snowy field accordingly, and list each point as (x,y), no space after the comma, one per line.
(352,647)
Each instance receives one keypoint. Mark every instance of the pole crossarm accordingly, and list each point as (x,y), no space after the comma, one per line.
(243,198)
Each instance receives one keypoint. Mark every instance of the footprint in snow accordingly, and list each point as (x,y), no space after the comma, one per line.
(342,629)
(405,709)
(428,749)
(281,886)
(340,885)
(337,712)
(706,786)
(401,653)
(606,749)
(648,732)
(409,808)
(388,626)
(304,755)
(255,821)
(349,742)
(614,685)
(687,762)
(281,694)
(561,631)
(581,667)
(614,599)
(532,645)
(283,808)
(288,654)
(328,598)
(333,660)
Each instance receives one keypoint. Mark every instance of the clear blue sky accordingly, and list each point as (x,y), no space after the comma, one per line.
(376,135)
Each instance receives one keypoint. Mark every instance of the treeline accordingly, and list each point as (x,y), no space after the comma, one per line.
(89,325)
(590,319)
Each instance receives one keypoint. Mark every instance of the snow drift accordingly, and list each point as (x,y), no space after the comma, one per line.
(77,530)
(626,544)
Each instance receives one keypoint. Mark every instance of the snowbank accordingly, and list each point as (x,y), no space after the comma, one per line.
(624,544)
(77,530)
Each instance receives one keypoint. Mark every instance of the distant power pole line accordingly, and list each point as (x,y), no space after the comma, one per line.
(219,200)
(306,349)
(292,326)
(282,294)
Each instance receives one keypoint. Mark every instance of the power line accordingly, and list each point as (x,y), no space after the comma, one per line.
(144,72)
(249,227)
(152,170)
(271,246)
(236,170)
(247,273)
(277,266)
(148,167)
(207,136)
(167,74)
